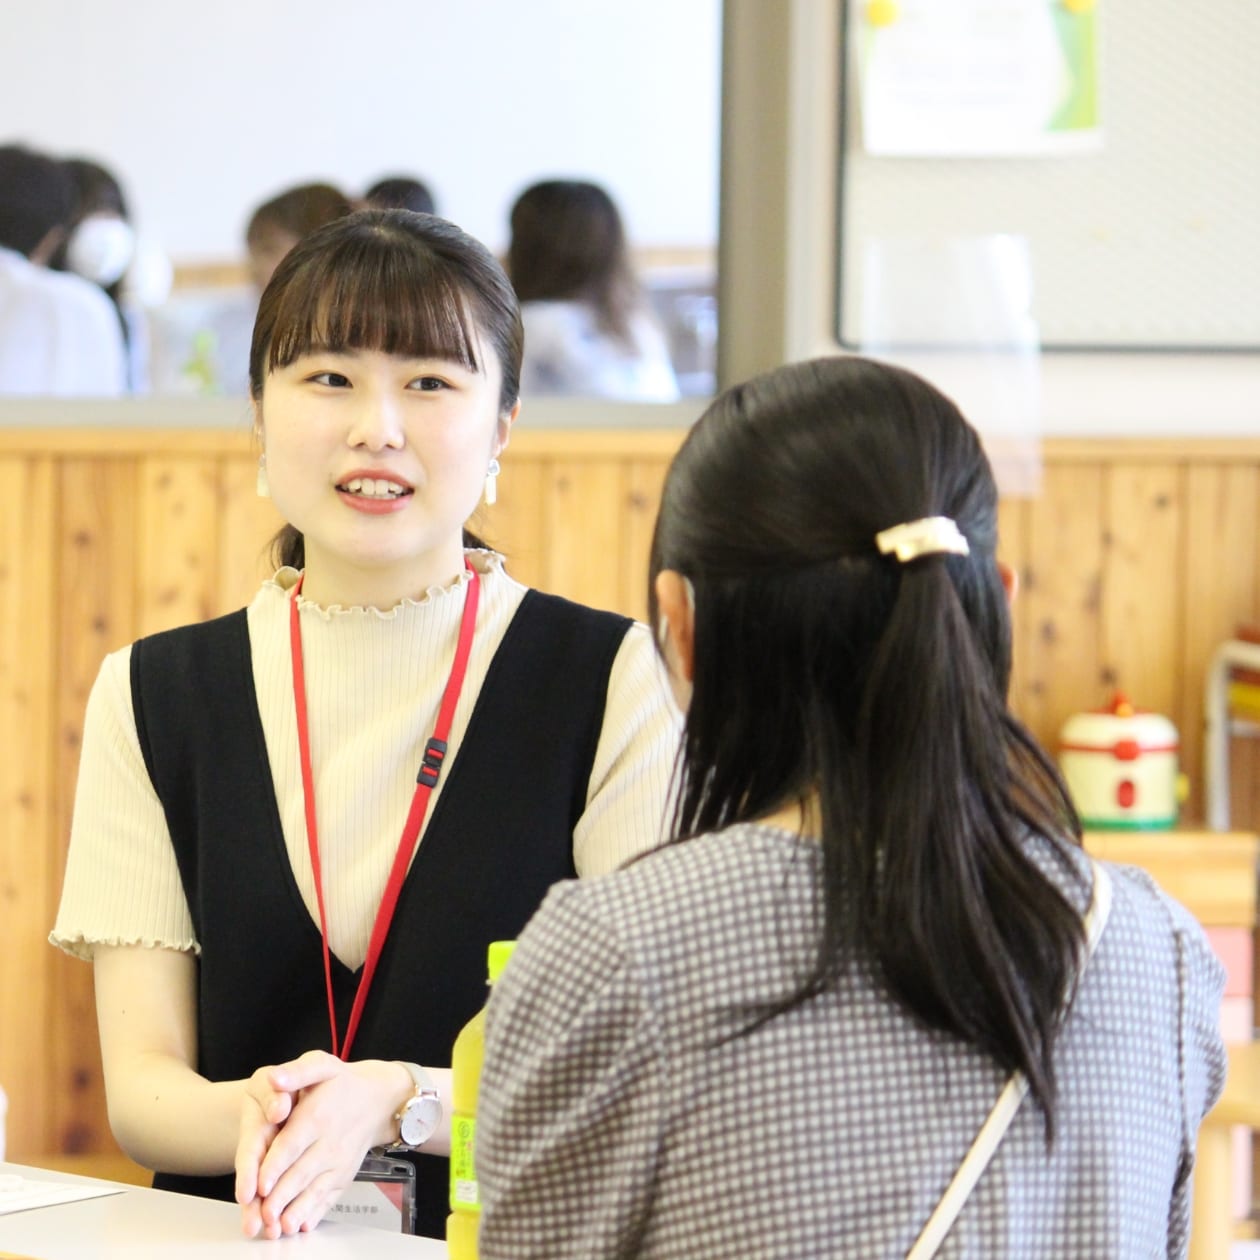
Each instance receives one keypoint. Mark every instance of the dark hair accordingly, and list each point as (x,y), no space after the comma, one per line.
(96,190)
(568,244)
(36,197)
(822,665)
(400,192)
(298,211)
(388,280)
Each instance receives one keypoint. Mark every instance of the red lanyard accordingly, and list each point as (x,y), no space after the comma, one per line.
(426,780)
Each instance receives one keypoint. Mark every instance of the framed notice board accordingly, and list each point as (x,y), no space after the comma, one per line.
(1150,242)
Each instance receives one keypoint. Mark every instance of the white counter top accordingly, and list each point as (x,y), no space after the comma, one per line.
(141,1224)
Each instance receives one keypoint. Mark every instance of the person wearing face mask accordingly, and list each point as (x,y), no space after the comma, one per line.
(58,333)
(102,246)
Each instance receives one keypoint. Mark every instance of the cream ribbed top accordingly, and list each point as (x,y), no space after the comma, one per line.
(374,681)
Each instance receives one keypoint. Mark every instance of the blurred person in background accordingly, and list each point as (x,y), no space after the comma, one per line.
(59,335)
(102,246)
(278,224)
(588,329)
(201,341)
(400,192)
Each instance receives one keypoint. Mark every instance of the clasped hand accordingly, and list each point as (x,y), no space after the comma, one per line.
(305,1128)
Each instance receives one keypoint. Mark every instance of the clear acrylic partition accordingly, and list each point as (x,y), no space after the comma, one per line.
(958,311)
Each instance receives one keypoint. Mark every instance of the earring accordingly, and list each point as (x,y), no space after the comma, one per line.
(261,486)
(492,481)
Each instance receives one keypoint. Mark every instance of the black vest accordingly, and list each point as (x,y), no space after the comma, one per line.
(501,833)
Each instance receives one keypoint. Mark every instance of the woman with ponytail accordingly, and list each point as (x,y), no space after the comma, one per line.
(876,931)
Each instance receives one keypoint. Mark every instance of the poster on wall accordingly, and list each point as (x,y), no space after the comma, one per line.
(978,78)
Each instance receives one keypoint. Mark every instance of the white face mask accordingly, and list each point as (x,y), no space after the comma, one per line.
(101,249)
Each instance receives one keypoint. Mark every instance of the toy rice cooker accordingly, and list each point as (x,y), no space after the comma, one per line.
(1120,764)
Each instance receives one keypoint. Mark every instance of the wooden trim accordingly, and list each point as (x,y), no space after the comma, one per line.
(221,273)
(1212,874)
(129,438)
(1149,450)
(105,442)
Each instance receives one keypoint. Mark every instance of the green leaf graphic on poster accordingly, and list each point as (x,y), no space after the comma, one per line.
(1077,27)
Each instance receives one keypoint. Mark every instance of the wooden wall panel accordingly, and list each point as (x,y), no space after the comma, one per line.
(177,578)
(583,513)
(28,586)
(96,541)
(644,481)
(1062,642)
(1135,561)
(246,525)
(514,525)
(1220,576)
(1141,612)
(1013,551)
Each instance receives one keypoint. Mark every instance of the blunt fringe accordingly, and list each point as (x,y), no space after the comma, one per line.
(395,281)
(820,665)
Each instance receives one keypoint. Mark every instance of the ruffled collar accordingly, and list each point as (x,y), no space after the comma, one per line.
(485,562)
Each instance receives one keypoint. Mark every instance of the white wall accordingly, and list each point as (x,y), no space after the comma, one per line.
(205,110)
(777,264)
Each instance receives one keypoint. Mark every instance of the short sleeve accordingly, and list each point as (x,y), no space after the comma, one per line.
(122,884)
(634,762)
(572,1095)
(1201,982)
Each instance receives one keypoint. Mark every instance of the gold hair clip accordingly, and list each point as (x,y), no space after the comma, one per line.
(926,537)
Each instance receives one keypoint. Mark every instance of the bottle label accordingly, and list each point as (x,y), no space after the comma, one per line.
(463,1174)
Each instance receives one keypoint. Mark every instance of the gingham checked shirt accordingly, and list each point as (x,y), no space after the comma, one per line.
(615,1121)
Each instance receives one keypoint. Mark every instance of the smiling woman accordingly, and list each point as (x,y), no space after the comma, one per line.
(248,798)
(386,352)
(377,460)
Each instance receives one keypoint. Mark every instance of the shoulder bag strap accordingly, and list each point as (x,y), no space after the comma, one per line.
(999,1120)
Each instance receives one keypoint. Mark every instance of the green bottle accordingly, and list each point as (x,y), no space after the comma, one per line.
(465,1217)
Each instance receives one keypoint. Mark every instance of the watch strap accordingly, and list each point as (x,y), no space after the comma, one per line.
(425,1092)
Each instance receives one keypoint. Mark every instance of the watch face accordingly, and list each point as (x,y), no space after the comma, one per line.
(420,1117)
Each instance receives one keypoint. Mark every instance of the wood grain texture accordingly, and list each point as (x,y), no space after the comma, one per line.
(584,524)
(1213,874)
(514,525)
(1142,565)
(1220,578)
(178,562)
(244,528)
(1013,516)
(1063,669)
(644,481)
(28,789)
(97,549)
(1135,560)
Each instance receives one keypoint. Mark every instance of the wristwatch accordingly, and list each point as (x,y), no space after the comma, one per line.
(420,1115)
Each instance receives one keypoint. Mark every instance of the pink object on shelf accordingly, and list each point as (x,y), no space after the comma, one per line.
(1232,945)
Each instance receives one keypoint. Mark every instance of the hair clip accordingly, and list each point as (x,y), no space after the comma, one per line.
(926,537)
